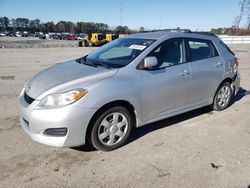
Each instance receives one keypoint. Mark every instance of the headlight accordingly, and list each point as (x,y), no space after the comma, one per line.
(62,99)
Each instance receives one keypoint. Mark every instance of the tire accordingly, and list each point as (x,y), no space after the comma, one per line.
(111,129)
(91,44)
(84,43)
(223,97)
(80,43)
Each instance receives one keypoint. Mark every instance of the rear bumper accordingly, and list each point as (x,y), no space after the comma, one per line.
(236,84)
(35,121)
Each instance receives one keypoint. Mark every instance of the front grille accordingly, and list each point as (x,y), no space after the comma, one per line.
(27,98)
(56,132)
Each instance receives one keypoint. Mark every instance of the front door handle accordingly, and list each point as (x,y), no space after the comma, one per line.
(184,73)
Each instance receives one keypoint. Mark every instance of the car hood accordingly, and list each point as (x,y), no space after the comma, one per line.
(65,76)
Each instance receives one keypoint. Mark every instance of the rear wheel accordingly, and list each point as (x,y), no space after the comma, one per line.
(223,97)
(111,129)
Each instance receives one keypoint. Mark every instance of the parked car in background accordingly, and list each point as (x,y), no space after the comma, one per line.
(70,37)
(2,34)
(80,36)
(36,34)
(19,34)
(128,83)
(42,36)
(25,34)
(57,36)
(11,34)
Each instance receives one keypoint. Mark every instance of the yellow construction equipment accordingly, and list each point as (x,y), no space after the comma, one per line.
(96,39)
(121,35)
(110,37)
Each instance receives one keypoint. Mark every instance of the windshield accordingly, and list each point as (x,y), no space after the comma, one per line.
(120,52)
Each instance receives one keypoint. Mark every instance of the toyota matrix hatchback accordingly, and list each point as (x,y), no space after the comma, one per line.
(127,83)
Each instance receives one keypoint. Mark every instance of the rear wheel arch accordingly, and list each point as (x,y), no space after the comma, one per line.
(229,80)
(226,80)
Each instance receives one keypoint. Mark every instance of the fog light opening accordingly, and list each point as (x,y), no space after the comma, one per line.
(55,132)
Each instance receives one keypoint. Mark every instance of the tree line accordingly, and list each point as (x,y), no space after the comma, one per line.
(32,26)
(231,31)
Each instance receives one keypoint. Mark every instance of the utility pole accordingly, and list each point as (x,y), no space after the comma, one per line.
(121,12)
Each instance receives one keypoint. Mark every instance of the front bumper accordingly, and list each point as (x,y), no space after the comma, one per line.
(35,121)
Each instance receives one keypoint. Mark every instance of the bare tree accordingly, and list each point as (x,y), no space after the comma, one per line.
(242,4)
(248,15)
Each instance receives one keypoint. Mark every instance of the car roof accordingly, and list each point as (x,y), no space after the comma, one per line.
(149,35)
(164,34)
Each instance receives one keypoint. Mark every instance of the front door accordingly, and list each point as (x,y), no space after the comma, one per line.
(165,87)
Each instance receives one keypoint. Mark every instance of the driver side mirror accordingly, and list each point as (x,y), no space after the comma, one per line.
(149,62)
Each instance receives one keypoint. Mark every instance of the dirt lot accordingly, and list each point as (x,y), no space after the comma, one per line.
(35,42)
(201,148)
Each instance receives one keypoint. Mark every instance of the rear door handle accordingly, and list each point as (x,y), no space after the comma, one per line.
(219,64)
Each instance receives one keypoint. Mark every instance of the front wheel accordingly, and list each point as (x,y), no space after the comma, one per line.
(91,44)
(223,97)
(111,129)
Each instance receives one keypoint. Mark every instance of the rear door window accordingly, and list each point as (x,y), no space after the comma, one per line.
(201,49)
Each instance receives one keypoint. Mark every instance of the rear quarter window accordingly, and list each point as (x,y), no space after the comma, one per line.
(201,49)
(226,47)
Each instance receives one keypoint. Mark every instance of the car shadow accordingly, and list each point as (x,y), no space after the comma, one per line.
(241,93)
(141,131)
(85,148)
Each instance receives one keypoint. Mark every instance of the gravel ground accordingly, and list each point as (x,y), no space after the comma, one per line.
(201,148)
(34,42)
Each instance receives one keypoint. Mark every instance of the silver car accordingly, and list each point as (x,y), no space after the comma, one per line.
(127,83)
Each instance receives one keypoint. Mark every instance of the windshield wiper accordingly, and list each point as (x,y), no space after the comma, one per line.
(101,64)
(82,60)
(90,64)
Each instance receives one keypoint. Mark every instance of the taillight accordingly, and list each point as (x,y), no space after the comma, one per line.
(237,62)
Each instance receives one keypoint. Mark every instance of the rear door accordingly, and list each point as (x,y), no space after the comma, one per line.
(207,70)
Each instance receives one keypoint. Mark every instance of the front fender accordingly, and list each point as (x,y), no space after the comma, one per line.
(112,89)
